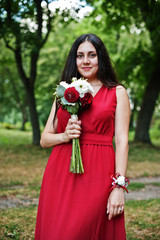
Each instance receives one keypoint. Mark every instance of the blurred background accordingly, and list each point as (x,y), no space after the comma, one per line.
(35,39)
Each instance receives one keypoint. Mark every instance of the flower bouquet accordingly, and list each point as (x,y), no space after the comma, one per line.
(74,97)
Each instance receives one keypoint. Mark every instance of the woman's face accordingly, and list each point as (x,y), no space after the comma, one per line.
(87,61)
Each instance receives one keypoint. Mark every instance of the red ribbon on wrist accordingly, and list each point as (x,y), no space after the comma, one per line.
(116,185)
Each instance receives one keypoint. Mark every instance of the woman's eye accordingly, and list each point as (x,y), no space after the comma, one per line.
(79,56)
(92,55)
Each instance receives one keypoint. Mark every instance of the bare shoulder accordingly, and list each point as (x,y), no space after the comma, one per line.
(121,92)
(122,99)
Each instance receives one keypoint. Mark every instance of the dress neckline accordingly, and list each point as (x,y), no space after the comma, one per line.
(98,91)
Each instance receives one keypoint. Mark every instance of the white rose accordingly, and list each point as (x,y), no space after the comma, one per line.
(64,84)
(120,180)
(82,86)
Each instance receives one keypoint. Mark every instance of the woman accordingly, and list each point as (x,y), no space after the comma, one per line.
(85,206)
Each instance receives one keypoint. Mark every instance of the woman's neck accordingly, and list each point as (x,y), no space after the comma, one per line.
(95,82)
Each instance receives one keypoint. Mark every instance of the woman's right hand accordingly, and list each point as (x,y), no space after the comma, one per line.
(73,130)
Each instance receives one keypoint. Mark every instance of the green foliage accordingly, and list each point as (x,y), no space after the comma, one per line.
(137,55)
(13,19)
(73,109)
(60,91)
(64,101)
(12,96)
(125,29)
(25,27)
(8,125)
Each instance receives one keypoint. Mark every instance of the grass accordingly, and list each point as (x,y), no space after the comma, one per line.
(22,167)
(18,223)
(14,137)
(143,159)
(142,219)
(136,186)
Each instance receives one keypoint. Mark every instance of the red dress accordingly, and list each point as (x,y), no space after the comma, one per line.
(73,206)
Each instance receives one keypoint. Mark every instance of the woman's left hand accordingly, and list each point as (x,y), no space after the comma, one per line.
(115,204)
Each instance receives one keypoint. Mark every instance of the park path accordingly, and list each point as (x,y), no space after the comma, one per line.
(149,192)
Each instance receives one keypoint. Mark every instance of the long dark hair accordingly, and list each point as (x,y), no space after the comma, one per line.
(106,73)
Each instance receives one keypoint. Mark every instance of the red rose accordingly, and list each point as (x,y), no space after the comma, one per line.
(86,100)
(71,95)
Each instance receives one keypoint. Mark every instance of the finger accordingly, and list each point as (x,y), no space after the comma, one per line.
(71,136)
(111,213)
(120,209)
(75,126)
(110,216)
(107,207)
(72,121)
(74,136)
(115,212)
(74,131)
(78,123)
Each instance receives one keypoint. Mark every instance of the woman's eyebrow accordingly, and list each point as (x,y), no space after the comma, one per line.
(88,52)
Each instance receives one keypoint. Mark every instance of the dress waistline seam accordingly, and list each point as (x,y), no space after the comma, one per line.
(96,139)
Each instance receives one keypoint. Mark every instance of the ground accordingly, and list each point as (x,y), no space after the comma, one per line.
(150,189)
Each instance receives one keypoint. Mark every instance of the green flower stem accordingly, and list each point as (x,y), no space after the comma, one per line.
(78,156)
(76,165)
(81,164)
(73,158)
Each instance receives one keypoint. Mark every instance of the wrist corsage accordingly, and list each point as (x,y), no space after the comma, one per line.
(119,182)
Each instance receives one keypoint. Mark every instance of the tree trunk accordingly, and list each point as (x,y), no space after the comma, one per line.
(33,115)
(24,114)
(147,108)
(24,120)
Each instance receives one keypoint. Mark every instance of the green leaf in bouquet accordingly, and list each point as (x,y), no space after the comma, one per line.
(64,101)
(73,109)
(60,91)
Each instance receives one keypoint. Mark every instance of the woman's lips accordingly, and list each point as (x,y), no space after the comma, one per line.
(86,68)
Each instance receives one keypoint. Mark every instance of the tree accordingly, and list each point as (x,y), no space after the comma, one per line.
(12,94)
(138,15)
(25,41)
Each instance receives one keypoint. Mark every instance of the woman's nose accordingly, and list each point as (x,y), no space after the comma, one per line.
(86,60)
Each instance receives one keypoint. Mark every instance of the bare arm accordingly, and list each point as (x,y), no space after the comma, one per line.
(50,137)
(116,198)
(121,130)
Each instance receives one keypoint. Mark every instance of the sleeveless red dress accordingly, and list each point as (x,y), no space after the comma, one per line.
(73,206)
